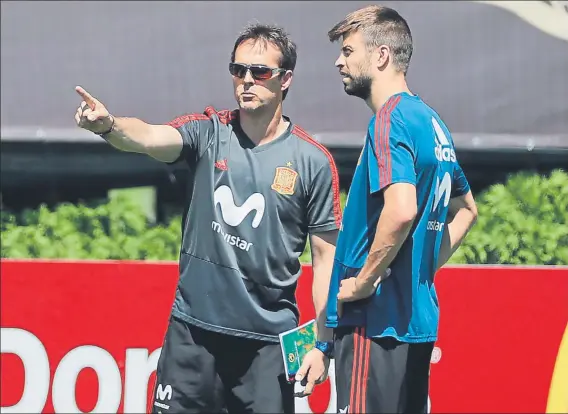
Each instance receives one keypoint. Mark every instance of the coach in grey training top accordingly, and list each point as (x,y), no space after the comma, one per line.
(254,198)
(246,224)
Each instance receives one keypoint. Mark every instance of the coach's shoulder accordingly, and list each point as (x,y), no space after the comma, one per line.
(209,115)
(223,116)
(308,145)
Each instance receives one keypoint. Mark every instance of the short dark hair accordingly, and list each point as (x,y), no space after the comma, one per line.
(380,26)
(277,36)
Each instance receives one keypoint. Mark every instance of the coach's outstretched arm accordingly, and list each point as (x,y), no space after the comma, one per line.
(462,215)
(161,142)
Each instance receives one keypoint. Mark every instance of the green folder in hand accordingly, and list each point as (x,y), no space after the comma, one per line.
(295,344)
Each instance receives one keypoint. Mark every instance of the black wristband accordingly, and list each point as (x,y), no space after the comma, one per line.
(109,130)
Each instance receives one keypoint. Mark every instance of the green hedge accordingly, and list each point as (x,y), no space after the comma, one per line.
(524,221)
(118,229)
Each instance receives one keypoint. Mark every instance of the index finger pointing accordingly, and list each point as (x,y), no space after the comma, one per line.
(87,97)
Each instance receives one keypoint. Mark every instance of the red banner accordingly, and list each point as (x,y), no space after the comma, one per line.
(86,336)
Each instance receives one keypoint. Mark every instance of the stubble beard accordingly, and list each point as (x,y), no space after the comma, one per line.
(359,87)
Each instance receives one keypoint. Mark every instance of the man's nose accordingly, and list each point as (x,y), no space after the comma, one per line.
(340,62)
(248,77)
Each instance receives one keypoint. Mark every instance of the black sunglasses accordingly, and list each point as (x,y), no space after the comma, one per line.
(258,72)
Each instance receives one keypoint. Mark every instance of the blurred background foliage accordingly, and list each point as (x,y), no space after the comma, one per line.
(523,222)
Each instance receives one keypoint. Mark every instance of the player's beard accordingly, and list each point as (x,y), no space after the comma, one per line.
(359,87)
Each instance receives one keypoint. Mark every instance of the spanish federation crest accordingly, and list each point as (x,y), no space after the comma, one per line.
(284,180)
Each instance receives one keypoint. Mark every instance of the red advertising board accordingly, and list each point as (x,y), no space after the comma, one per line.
(86,336)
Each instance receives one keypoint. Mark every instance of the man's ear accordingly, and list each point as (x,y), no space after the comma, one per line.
(381,56)
(286,80)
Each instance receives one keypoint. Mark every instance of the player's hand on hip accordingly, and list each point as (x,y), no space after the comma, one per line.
(313,371)
(92,114)
(351,290)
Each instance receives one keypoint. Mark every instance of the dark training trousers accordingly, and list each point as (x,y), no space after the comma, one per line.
(200,371)
(380,375)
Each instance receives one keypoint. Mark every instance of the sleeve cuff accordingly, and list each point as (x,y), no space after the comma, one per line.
(323,228)
(461,192)
(394,181)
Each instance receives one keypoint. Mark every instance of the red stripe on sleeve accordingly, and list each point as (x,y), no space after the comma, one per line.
(300,133)
(385,142)
(225,116)
(377,147)
(382,145)
(184,119)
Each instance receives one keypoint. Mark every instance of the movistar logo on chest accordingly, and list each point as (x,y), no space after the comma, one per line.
(234,215)
(443,150)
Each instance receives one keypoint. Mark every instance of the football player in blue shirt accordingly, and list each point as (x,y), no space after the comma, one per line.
(408,209)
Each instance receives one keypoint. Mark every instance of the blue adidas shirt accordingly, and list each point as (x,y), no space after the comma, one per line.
(406,142)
